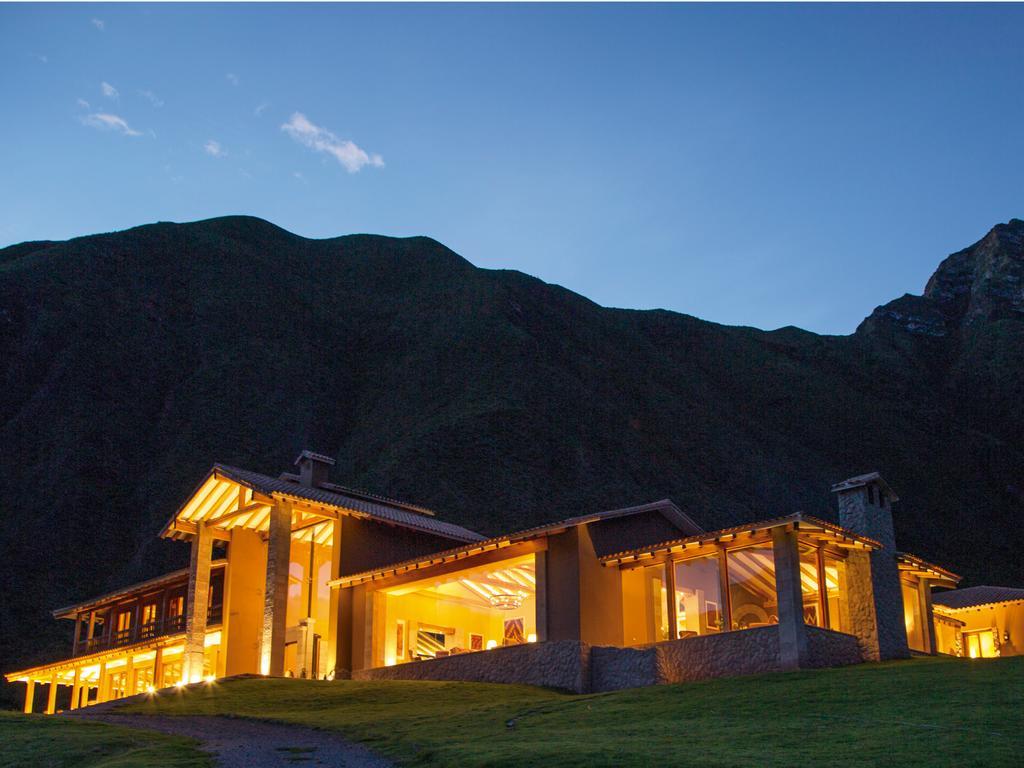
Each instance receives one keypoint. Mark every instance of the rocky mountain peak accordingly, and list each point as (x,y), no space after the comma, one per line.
(984,282)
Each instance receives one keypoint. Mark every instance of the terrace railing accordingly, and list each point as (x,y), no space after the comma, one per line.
(170,625)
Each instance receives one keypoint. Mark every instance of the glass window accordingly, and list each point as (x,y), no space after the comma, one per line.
(837,592)
(657,598)
(752,593)
(912,616)
(809,586)
(698,597)
(124,621)
(149,613)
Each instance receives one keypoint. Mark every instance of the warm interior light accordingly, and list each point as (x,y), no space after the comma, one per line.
(531,638)
(211,678)
(491,644)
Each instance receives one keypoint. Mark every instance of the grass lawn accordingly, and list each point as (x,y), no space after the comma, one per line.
(37,741)
(924,712)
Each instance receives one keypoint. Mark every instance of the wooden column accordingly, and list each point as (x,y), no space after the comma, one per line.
(101,684)
(30,692)
(924,593)
(793,652)
(197,603)
(275,600)
(158,668)
(51,698)
(78,634)
(540,564)
(76,689)
(129,675)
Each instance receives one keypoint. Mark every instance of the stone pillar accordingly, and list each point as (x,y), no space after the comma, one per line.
(865,507)
(860,598)
(275,600)
(51,698)
(343,635)
(334,612)
(76,689)
(197,603)
(30,693)
(793,652)
(924,594)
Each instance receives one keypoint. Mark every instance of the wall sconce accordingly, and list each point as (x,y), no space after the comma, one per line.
(1006,636)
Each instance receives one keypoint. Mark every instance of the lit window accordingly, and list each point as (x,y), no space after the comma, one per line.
(698,597)
(752,593)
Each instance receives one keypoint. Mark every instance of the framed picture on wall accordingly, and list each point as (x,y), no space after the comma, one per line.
(514,632)
(713,614)
(476,642)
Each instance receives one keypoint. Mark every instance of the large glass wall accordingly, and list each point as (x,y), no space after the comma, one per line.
(471,610)
(837,592)
(645,605)
(912,616)
(810,586)
(752,594)
(698,596)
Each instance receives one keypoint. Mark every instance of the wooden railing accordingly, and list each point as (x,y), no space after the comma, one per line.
(170,625)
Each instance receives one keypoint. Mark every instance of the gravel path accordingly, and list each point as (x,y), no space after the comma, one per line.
(238,743)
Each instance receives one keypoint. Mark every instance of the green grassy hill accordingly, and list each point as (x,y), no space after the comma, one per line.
(129,362)
(924,713)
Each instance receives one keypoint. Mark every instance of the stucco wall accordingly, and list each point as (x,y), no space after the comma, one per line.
(563,665)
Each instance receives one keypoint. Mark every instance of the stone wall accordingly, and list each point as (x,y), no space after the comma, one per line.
(744,652)
(831,649)
(563,664)
(577,667)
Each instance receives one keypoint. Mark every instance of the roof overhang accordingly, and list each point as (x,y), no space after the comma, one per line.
(915,566)
(805,524)
(70,611)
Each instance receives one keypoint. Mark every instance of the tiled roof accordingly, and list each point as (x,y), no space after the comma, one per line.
(804,520)
(665,506)
(385,510)
(972,597)
(141,586)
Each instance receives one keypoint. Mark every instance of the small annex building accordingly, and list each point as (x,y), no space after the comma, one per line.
(294,575)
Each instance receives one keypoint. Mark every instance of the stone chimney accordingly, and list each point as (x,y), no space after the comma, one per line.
(865,507)
(313,468)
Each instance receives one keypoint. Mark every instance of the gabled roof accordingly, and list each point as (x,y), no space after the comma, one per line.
(343,500)
(664,506)
(917,566)
(974,597)
(802,521)
(68,612)
(861,480)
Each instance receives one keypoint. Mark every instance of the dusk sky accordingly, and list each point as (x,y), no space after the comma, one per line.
(756,165)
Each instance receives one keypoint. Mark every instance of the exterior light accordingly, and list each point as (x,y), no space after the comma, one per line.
(150,689)
(531,638)
(180,684)
(211,678)
(492,644)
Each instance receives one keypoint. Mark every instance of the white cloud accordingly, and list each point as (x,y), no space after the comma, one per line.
(152,98)
(100,24)
(261,109)
(109,91)
(351,157)
(83,103)
(232,78)
(107,122)
(213,148)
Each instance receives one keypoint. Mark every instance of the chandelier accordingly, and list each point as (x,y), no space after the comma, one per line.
(506,601)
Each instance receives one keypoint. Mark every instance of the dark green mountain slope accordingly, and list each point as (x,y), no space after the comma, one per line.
(129,362)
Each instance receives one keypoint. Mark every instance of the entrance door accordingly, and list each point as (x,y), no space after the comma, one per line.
(979,644)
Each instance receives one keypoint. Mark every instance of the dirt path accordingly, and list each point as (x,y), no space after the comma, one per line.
(238,743)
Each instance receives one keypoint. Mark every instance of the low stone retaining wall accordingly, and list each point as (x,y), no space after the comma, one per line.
(577,667)
(564,665)
(726,654)
(831,649)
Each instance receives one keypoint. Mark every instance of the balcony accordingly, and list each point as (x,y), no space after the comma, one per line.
(171,625)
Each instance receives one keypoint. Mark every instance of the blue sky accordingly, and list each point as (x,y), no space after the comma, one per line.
(756,165)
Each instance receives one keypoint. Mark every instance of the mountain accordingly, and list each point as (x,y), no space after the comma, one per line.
(130,362)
